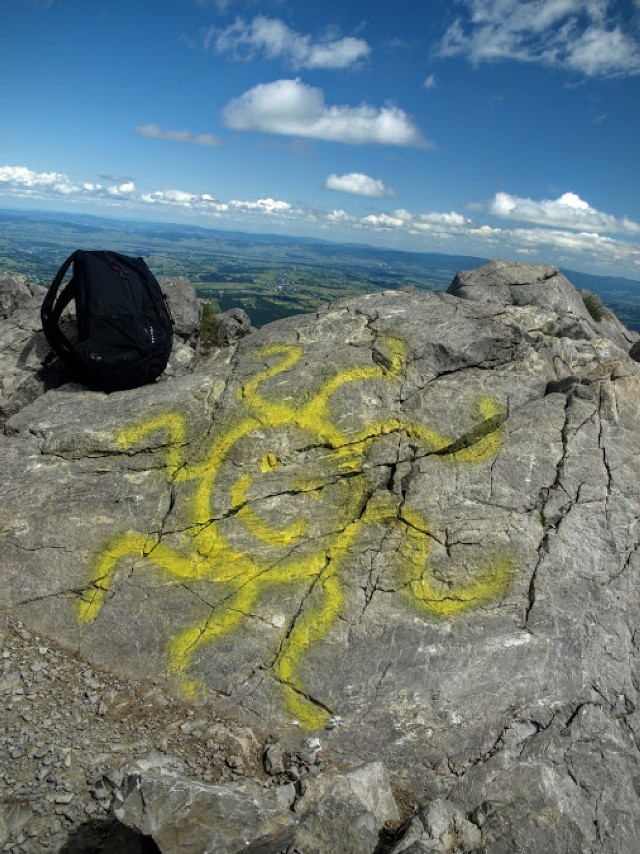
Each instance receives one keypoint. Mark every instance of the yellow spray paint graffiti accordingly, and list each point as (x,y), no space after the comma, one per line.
(214,557)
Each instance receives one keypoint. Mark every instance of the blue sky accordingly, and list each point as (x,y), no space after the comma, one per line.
(501,128)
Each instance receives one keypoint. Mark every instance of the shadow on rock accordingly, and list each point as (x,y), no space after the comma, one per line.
(107,837)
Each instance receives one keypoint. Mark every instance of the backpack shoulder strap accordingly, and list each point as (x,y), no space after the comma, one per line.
(51,311)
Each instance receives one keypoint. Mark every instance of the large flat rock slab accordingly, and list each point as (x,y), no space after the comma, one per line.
(409,521)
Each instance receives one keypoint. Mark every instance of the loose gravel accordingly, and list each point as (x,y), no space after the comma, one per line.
(67,731)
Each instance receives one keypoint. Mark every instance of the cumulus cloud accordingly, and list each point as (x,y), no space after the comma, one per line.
(358,184)
(437,224)
(430,82)
(172,197)
(120,189)
(21,178)
(568,211)
(565,231)
(263,205)
(580,35)
(155,132)
(272,38)
(21,181)
(292,108)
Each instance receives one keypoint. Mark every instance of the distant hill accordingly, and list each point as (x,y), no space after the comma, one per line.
(269,275)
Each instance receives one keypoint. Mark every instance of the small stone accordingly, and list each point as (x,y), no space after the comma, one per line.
(114,778)
(286,795)
(273,759)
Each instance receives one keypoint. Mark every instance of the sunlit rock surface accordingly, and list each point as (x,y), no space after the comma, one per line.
(408,522)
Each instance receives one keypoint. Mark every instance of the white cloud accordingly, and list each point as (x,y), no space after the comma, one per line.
(566,231)
(21,181)
(441,225)
(19,177)
(451,218)
(430,82)
(568,211)
(171,197)
(385,222)
(358,184)
(262,205)
(155,132)
(340,217)
(119,189)
(580,35)
(273,38)
(599,51)
(292,108)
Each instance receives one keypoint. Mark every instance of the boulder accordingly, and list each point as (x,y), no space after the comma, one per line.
(408,523)
(540,285)
(186,311)
(344,813)
(231,326)
(23,346)
(440,826)
(184,816)
(184,305)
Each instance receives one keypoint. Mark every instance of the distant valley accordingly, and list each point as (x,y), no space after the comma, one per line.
(268,275)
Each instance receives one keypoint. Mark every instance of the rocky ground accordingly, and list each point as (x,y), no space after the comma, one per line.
(70,734)
(68,730)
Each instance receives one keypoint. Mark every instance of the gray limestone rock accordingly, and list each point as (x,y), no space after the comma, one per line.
(440,826)
(447,829)
(184,305)
(184,816)
(16,293)
(231,326)
(540,285)
(186,311)
(408,522)
(345,812)
(22,344)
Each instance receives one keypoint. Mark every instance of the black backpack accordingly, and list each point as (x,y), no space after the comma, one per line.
(124,328)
